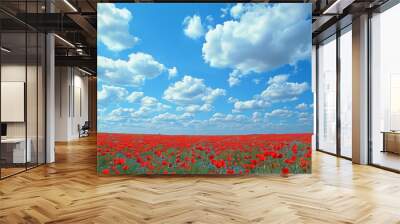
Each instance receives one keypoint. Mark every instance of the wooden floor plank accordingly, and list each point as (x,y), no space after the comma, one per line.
(69,191)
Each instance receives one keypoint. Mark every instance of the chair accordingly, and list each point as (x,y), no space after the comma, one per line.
(84,130)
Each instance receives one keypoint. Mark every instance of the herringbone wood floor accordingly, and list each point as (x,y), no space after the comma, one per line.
(69,191)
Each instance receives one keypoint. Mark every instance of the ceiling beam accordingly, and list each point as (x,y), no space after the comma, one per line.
(77,61)
(86,26)
(338,6)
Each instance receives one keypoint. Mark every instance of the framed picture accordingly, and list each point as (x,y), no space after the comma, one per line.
(204,88)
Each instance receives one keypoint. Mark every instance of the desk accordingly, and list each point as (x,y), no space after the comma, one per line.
(17,150)
(391,141)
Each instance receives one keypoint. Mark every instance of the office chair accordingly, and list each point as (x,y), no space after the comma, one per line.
(84,130)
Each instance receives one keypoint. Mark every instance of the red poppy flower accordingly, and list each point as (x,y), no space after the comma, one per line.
(261,157)
(230,171)
(158,153)
(303,163)
(294,149)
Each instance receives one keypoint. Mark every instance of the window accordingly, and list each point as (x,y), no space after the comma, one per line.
(346,93)
(327,95)
(385,89)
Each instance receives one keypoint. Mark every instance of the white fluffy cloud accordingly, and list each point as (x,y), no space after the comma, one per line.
(302,106)
(119,114)
(282,113)
(148,106)
(279,89)
(111,92)
(134,71)
(259,38)
(224,12)
(134,97)
(218,117)
(232,100)
(234,78)
(256,117)
(192,90)
(237,10)
(250,104)
(210,18)
(305,117)
(113,27)
(149,101)
(194,108)
(172,72)
(168,117)
(193,28)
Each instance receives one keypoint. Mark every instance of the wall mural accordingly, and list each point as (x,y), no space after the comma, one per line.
(204,88)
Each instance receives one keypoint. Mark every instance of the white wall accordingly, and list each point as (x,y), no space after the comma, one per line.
(61,103)
(71,87)
(12,73)
(17,73)
(33,127)
(81,89)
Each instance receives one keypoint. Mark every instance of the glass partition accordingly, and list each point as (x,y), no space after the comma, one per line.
(23,91)
(13,94)
(31,99)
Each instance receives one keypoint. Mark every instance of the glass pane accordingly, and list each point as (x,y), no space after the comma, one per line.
(22,89)
(31,98)
(327,96)
(13,87)
(346,94)
(41,98)
(385,114)
(31,88)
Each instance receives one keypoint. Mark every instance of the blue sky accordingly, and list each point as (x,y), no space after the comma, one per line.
(204,68)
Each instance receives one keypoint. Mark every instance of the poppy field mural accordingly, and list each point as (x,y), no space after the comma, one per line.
(216,89)
(185,154)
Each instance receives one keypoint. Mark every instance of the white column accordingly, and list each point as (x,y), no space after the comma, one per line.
(50,92)
(360,90)
(50,100)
